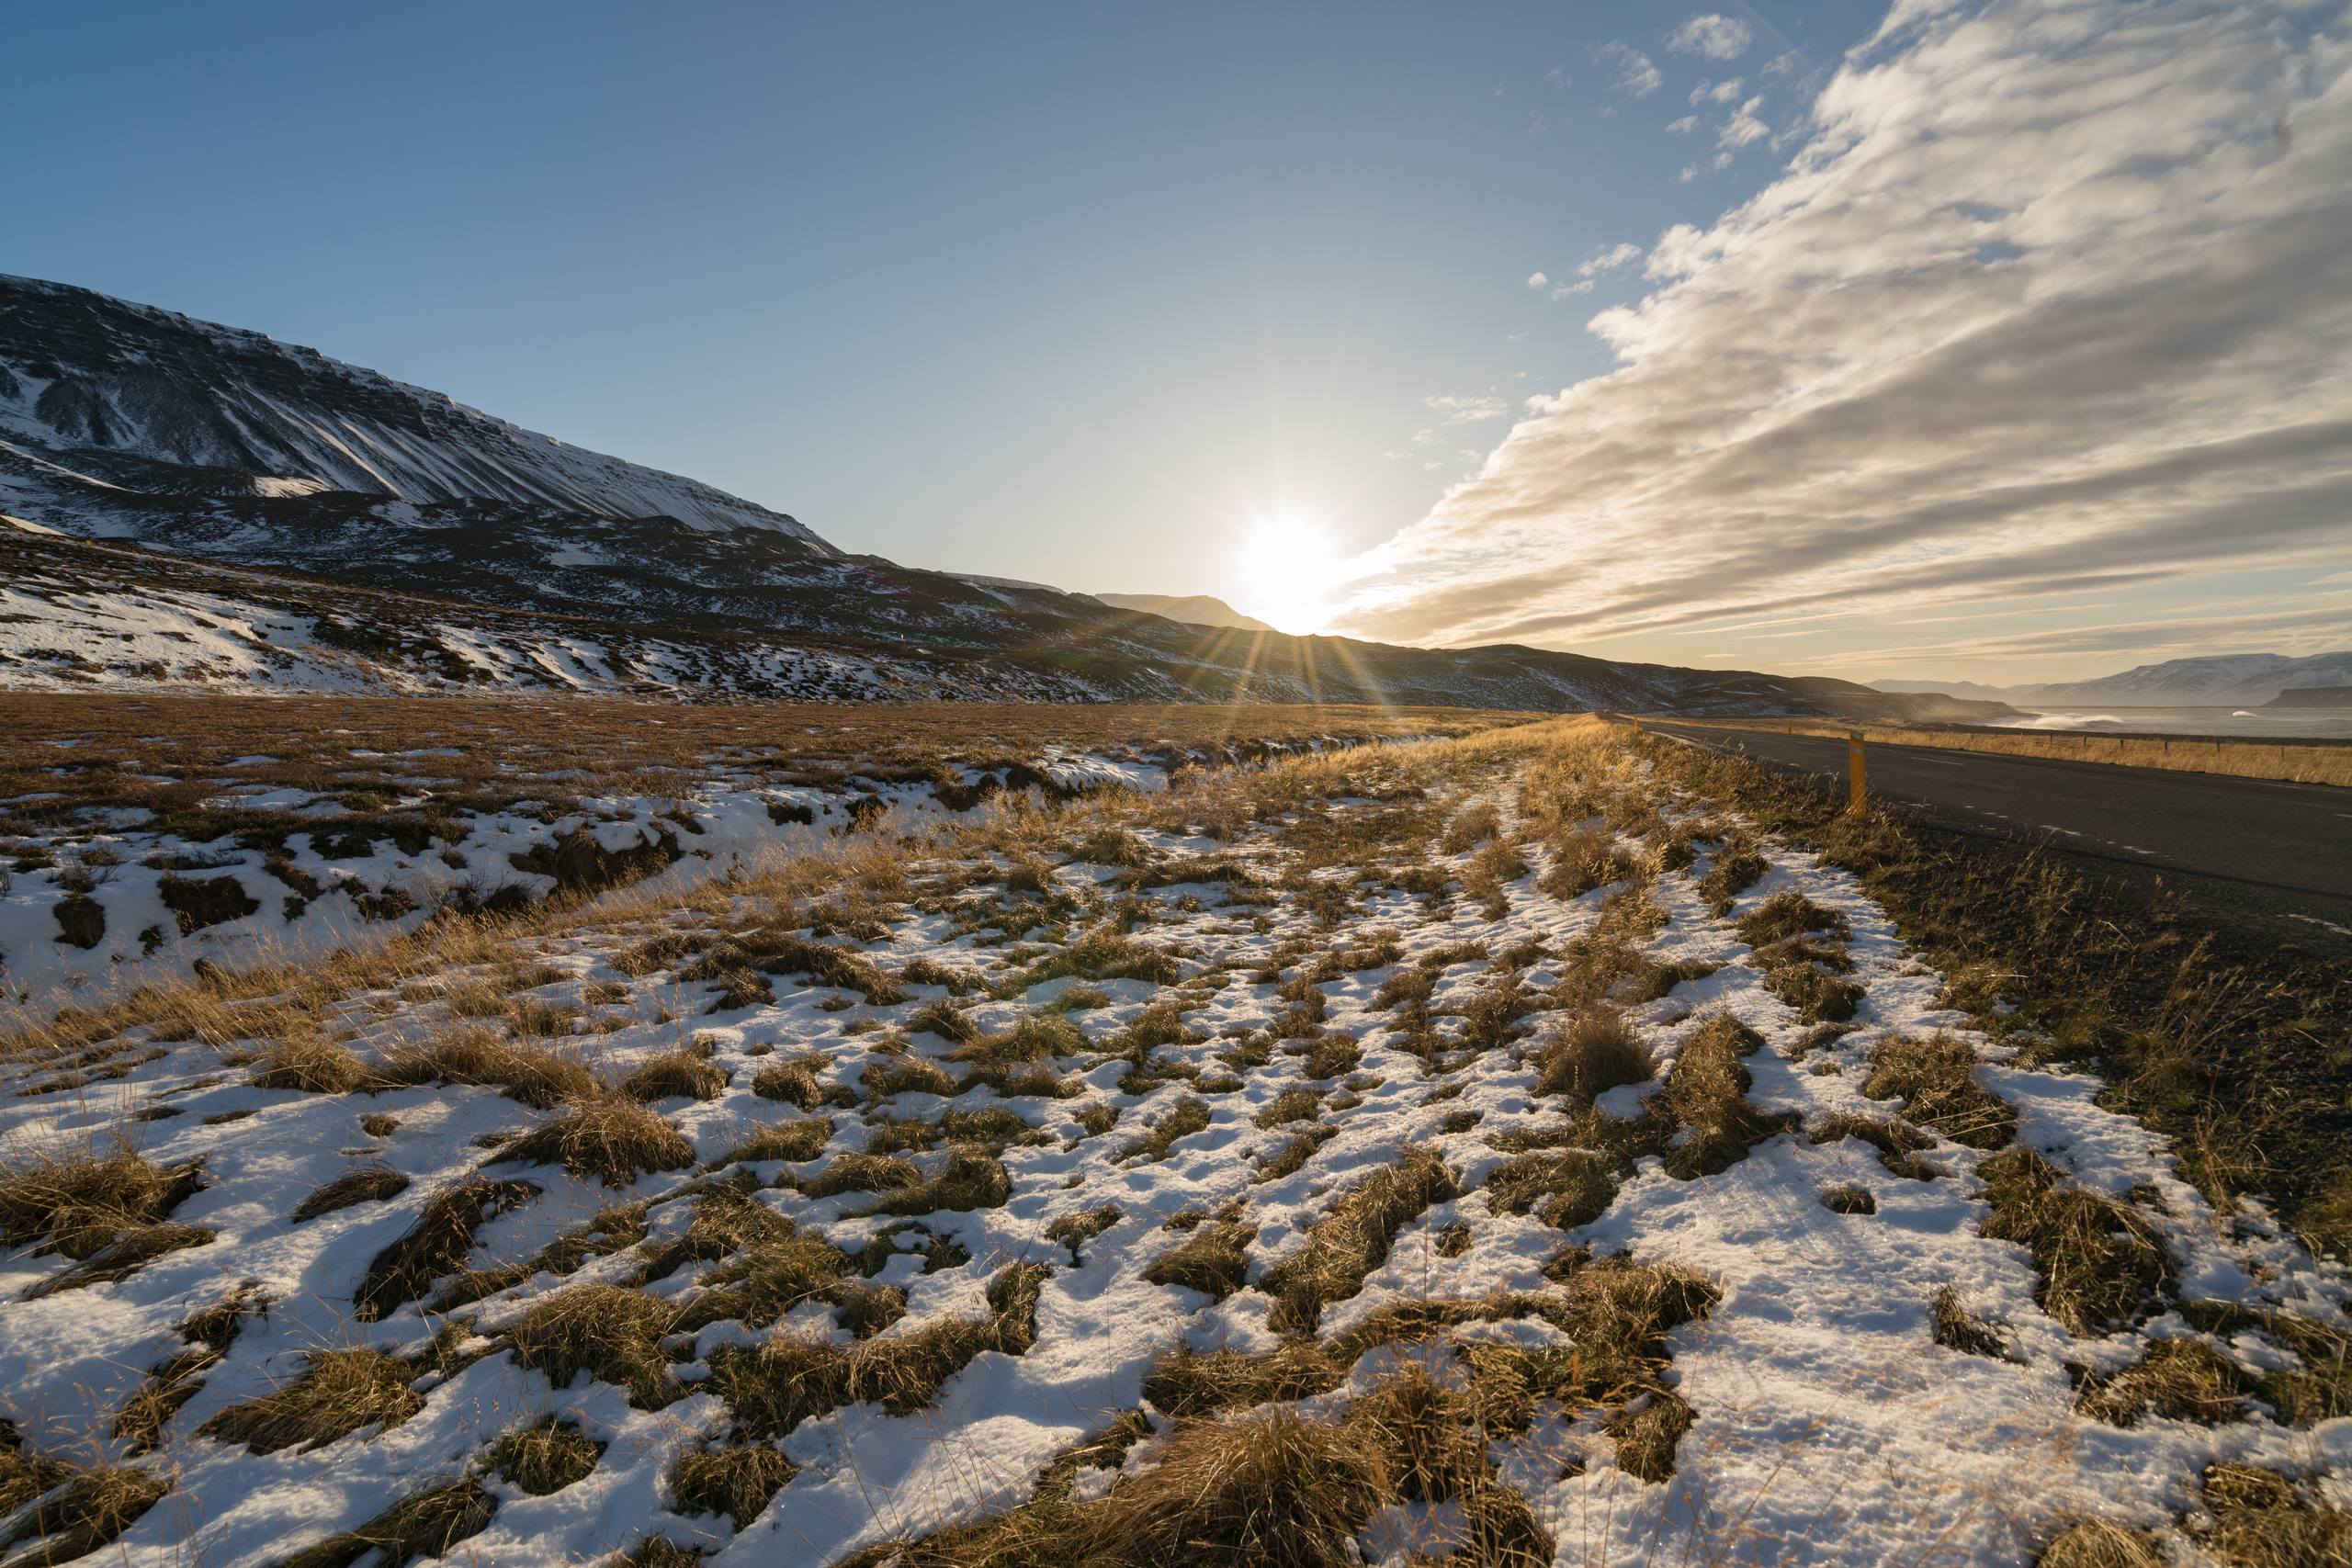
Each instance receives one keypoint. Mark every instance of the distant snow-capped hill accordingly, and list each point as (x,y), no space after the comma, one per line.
(124,385)
(2214,680)
(2220,678)
(1193,609)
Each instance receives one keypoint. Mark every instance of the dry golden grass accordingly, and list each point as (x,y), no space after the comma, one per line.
(1352,1239)
(2181,1379)
(773,1386)
(614,1140)
(2102,1264)
(1706,1092)
(2098,1543)
(370,1184)
(613,1333)
(682,1073)
(438,1244)
(736,1481)
(1278,1489)
(505,749)
(544,1457)
(1213,1260)
(2261,1519)
(1596,1053)
(1935,1080)
(429,1524)
(1567,1190)
(312,1063)
(74,1510)
(83,1198)
(2307,762)
(338,1393)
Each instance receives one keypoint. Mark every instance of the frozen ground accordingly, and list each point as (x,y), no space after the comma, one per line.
(962,1203)
(138,842)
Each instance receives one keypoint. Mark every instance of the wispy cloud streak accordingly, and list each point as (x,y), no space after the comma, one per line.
(2056,294)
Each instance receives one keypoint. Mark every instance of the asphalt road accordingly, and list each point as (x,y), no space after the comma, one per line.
(2278,850)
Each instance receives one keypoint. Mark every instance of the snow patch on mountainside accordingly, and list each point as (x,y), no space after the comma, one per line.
(82,371)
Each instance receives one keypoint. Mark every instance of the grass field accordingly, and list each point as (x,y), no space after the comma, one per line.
(1534,1144)
(2294,761)
(142,836)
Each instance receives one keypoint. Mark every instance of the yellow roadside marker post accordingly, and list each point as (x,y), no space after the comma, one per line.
(1854,805)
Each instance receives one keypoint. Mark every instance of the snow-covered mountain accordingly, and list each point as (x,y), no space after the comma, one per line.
(192,504)
(2231,679)
(1193,609)
(124,384)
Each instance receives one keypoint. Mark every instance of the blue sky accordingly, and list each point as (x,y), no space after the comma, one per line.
(1076,293)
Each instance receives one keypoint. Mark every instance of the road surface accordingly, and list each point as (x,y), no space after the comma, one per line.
(2248,845)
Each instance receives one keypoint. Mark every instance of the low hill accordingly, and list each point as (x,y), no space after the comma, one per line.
(1193,609)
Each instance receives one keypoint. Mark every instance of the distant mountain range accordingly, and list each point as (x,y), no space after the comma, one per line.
(187,504)
(1193,609)
(2233,680)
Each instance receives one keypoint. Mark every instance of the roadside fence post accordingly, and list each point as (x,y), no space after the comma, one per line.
(1854,805)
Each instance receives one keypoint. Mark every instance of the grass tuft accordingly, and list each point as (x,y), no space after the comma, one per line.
(438,1244)
(612,1140)
(775,1386)
(74,1511)
(338,1393)
(82,1202)
(1706,1093)
(2181,1379)
(1957,1328)
(1935,1080)
(425,1525)
(2100,1543)
(1352,1238)
(536,1074)
(544,1457)
(675,1075)
(603,1330)
(736,1481)
(2101,1264)
(371,1184)
(1213,1260)
(314,1064)
(1596,1052)
(1567,1190)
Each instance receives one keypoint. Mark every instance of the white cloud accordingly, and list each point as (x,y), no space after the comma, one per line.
(1467,411)
(1711,36)
(1743,128)
(1583,285)
(1687,123)
(1609,260)
(2054,298)
(1708,92)
(1536,280)
(1635,74)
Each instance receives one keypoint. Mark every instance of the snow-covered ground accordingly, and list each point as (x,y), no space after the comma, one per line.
(1160,1021)
(114,899)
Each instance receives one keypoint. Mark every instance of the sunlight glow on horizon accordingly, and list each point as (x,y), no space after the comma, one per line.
(1288,568)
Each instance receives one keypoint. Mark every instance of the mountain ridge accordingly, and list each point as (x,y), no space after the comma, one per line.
(370,535)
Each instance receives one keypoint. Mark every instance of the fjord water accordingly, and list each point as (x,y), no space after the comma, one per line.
(2241,722)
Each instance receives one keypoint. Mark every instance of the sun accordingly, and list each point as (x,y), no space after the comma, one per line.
(1287,569)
